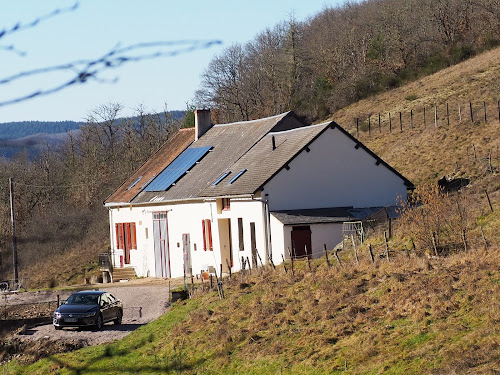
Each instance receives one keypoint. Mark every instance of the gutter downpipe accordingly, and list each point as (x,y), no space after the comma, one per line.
(267,229)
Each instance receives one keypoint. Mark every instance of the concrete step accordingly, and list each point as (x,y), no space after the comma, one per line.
(124,273)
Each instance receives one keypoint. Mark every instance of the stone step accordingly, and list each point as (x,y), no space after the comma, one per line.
(123,273)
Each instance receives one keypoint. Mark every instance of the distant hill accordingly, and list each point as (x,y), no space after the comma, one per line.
(32,136)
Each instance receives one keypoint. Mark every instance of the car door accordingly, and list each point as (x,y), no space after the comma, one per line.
(106,308)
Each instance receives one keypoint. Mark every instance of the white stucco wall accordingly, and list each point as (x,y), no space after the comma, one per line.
(334,174)
(186,218)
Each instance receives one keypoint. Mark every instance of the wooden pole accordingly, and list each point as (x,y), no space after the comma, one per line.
(390,123)
(337,256)
(411,118)
(371,253)
(326,256)
(435,116)
(489,201)
(471,113)
(386,246)
(425,121)
(401,121)
(355,249)
(434,244)
(284,264)
(228,267)
(379,124)
(271,262)
(249,266)
(14,238)
(485,116)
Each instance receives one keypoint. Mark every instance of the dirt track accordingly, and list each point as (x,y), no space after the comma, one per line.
(141,304)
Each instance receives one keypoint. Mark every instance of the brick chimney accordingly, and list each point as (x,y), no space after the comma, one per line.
(202,122)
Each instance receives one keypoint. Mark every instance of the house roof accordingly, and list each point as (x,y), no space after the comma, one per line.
(243,157)
(230,143)
(324,215)
(153,166)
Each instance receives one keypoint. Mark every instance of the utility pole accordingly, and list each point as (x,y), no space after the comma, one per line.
(14,239)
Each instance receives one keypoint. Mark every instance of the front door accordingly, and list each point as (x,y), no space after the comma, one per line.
(226,250)
(186,250)
(253,244)
(161,250)
(301,241)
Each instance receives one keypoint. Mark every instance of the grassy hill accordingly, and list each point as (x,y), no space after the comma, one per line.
(412,315)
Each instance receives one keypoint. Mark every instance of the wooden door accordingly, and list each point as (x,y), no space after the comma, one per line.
(186,251)
(301,241)
(161,250)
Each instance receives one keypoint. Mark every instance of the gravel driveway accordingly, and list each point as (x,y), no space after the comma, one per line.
(141,304)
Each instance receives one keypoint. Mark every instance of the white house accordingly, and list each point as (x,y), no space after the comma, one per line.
(222,194)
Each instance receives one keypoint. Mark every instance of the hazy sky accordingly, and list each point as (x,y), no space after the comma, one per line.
(97,26)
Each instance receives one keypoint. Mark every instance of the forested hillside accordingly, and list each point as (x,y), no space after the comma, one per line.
(19,129)
(344,54)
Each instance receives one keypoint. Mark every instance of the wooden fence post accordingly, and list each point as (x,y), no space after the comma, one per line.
(489,201)
(326,256)
(371,253)
(337,256)
(390,123)
(284,264)
(249,266)
(386,246)
(401,121)
(435,116)
(355,249)
(471,113)
(272,263)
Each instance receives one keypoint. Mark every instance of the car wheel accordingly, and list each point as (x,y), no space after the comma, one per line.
(58,328)
(98,322)
(118,319)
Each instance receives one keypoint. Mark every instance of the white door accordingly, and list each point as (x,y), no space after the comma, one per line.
(160,235)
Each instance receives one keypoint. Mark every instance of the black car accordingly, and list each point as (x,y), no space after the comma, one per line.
(88,308)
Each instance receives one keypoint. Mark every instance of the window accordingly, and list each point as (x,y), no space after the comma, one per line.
(226,204)
(240,234)
(237,176)
(134,183)
(207,234)
(126,237)
(224,175)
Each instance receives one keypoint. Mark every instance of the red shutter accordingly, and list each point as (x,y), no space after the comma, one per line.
(133,234)
(117,236)
(120,229)
(204,235)
(209,229)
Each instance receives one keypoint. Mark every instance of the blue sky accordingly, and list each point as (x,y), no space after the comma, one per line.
(96,26)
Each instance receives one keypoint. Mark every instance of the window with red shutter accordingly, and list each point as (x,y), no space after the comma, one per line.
(133,236)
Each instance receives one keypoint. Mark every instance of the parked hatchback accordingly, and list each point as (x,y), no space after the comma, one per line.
(88,308)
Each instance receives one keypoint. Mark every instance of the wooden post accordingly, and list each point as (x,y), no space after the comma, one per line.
(370,125)
(448,114)
(425,121)
(357,127)
(379,124)
(249,266)
(471,113)
(355,249)
(284,264)
(260,259)
(489,201)
(386,246)
(13,228)
(435,116)
(485,116)
(484,238)
(192,286)
(371,253)
(271,262)
(411,118)
(338,259)
(291,258)
(58,300)
(401,121)
(390,123)
(228,267)
(211,282)
(434,244)
(326,256)
(464,239)
(489,161)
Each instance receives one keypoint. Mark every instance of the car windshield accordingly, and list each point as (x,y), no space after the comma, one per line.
(82,299)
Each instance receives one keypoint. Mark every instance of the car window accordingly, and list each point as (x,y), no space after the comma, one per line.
(82,299)
(104,299)
(111,298)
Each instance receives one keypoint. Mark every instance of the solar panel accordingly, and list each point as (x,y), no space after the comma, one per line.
(237,176)
(177,168)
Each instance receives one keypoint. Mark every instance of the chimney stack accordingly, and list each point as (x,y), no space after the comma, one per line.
(202,122)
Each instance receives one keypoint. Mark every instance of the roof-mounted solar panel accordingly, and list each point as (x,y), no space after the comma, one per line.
(177,168)
(148,181)
(237,176)
(224,175)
